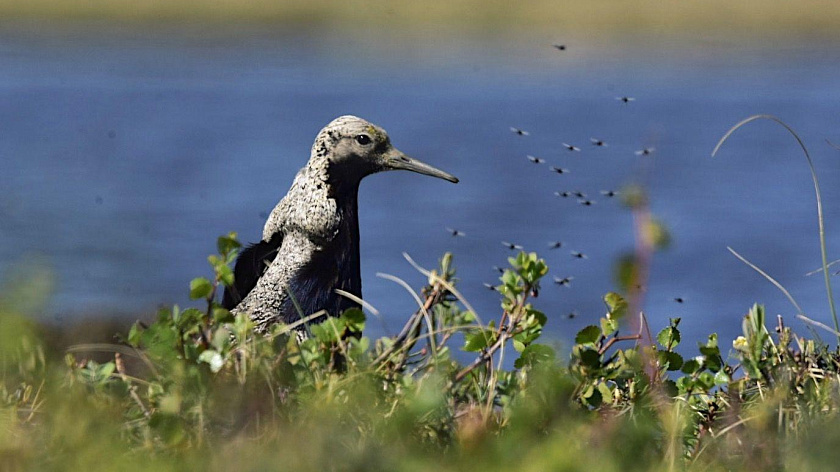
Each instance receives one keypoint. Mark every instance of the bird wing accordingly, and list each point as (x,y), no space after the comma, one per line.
(250,266)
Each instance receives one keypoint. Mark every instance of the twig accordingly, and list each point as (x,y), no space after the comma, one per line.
(616,339)
(412,325)
(429,324)
(434,278)
(488,354)
(132,389)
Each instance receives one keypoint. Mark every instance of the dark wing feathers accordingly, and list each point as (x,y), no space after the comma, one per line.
(250,266)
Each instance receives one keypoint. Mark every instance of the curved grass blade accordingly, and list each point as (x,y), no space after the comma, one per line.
(819,203)
(817,324)
(779,286)
(429,325)
(771,279)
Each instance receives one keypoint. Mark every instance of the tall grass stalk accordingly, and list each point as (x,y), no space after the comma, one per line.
(819,203)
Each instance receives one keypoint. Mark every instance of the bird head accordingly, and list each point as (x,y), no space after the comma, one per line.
(356,148)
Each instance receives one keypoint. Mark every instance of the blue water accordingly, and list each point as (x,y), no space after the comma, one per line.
(123,158)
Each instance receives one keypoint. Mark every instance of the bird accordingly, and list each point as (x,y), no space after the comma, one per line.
(498,269)
(563,194)
(578,255)
(520,132)
(490,287)
(571,147)
(511,246)
(679,299)
(560,47)
(625,99)
(555,245)
(609,193)
(535,160)
(559,170)
(645,152)
(310,241)
(586,202)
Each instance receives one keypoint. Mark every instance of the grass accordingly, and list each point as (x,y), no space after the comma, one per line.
(820,219)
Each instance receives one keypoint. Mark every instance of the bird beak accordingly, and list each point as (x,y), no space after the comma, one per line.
(396,160)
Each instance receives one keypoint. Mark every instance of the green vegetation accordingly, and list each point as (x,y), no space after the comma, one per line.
(196,390)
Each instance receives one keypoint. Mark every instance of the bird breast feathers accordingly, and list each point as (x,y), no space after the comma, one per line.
(307,209)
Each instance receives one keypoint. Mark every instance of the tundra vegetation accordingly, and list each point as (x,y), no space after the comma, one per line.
(196,389)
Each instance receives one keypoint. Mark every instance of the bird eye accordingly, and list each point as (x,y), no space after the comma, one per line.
(363,139)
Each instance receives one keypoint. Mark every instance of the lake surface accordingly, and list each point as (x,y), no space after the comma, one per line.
(124,158)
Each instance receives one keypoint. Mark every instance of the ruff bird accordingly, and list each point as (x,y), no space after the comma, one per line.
(310,242)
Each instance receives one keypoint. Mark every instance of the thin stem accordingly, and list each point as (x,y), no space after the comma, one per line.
(820,218)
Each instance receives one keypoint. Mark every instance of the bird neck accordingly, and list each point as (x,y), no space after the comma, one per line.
(346,254)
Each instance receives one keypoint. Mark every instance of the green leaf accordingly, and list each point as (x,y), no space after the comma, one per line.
(721,378)
(670,388)
(478,340)
(670,360)
(226,244)
(684,384)
(221,339)
(634,196)
(625,273)
(222,315)
(168,427)
(213,359)
(535,354)
(200,288)
(135,334)
(706,380)
(590,358)
(608,326)
(690,366)
(656,234)
(330,330)
(616,304)
(589,334)
(106,369)
(669,337)
(712,360)
(189,318)
(593,397)
(225,275)
(606,392)
(713,341)
(355,320)
(539,316)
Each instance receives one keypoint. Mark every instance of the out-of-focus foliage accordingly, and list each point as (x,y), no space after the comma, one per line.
(197,390)
(432,18)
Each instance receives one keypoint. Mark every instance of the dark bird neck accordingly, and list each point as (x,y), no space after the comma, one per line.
(335,265)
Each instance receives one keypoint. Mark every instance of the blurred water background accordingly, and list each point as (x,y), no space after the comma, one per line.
(126,151)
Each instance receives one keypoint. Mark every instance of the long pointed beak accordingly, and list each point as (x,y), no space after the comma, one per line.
(396,160)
